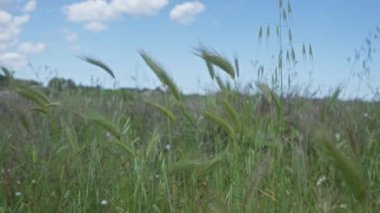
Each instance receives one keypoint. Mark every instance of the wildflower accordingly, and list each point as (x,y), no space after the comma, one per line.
(343,206)
(108,136)
(104,202)
(34,181)
(365,115)
(157,176)
(167,147)
(321,180)
(337,136)
(18,182)
(17,194)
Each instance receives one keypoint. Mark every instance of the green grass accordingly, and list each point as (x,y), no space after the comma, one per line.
(261,149)
(107,146)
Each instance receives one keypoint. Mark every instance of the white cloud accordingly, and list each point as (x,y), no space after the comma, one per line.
(10,28)
(95,14)
(95,26)
(90,11)
(30,48)
(13,60)
(5,17)
(139,7)
(30,6)
(185,13)
(13,53)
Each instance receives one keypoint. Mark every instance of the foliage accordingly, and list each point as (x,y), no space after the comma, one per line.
(60,84)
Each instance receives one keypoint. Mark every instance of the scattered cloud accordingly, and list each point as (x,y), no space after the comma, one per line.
(30,6)
(5,17)
(95,26)
(185,13)
(30,48)
(96,14)
(13,60)
(13,52)
(139,7)
(10,28)
(90,11)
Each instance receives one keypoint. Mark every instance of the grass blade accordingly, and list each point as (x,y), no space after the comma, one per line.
(333,99)
(350,171)
(124,147)
(310,52)
(293,55)
(270,96)
(266,91)
(161,74)
(220,122)
(233,115)
(198,167)
(260,33)
(98,63)
(211,56)
(72,138)
(289,8)
(33,95)
(237,66)
(211,70)
(186,113)
(8,75)
(104,123)
(165,111)
(220,83)
(304,52)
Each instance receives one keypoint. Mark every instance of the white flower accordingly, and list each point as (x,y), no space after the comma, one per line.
(17,194)
(343,206)
(108,136)
(157,176)
(34,181)
(365,115)
(321,180)
(337,136)
(104,202)
(167,146)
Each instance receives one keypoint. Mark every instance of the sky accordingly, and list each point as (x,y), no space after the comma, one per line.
(42,39)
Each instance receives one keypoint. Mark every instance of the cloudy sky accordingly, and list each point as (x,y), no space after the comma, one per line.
(41,39)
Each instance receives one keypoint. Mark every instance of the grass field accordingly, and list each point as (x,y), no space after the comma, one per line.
(264,148)
(97,150)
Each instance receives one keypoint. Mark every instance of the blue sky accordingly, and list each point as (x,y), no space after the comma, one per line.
(50,35)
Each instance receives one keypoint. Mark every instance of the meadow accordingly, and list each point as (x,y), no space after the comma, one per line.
(65,148)
(98,150)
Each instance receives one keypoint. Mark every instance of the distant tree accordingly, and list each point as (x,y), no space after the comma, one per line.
(158,90)
(30,82)
(61,84)
(5,76)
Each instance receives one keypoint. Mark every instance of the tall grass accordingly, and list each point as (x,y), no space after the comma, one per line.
(231,151)
(233,158)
